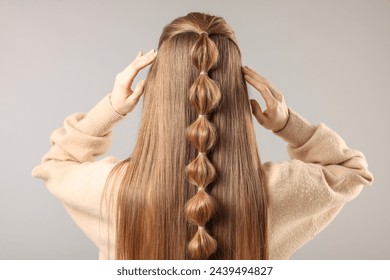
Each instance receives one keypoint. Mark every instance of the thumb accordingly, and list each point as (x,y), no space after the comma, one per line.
(139,89)
(256,111)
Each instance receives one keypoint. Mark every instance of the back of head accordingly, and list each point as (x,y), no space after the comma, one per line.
(193,188)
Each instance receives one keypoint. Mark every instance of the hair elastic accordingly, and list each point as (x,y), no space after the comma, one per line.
(203,32)
(203,73)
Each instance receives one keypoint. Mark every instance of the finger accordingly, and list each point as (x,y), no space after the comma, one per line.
(275,92)
(269,99)
(250,72)
(150,55)
(139,89)
(256,111)
(140,62)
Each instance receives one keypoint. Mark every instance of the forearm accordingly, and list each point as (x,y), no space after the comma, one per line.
(297,131)
(321,145)
(83,136)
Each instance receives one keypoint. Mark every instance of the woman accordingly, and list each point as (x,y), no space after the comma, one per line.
(194,186)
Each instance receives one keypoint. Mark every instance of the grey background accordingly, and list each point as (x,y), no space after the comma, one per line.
(330,59)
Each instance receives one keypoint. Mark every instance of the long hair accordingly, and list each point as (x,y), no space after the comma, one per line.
(193,187)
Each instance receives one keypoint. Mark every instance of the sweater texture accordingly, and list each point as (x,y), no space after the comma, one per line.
(306,192)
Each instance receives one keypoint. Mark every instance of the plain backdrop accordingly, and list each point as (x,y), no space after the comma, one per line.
(331,59)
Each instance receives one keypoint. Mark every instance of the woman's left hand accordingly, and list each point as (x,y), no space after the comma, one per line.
(123,98)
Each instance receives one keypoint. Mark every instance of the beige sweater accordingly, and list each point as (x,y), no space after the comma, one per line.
(306,192)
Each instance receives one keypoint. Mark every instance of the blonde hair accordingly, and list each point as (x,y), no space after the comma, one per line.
(193,187)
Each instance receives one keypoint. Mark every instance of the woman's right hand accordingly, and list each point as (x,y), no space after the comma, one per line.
(276,115)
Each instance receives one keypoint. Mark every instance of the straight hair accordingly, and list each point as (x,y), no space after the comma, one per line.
(194,186)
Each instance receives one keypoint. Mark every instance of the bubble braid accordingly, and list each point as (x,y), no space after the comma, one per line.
(205,96)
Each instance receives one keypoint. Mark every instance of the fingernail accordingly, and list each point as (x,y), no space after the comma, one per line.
(152,50)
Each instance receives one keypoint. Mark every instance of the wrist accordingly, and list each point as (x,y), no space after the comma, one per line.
(100,119)
(284,124)
(297,130)
(114,107)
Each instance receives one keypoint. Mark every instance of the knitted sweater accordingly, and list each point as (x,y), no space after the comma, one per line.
(306,192)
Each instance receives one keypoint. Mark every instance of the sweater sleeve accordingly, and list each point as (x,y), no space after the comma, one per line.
(70,169)
(308,191)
